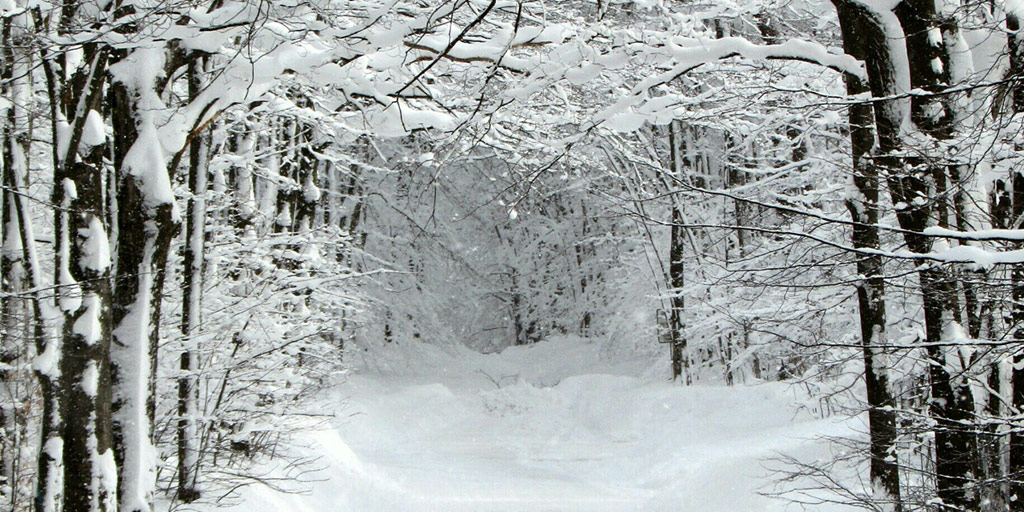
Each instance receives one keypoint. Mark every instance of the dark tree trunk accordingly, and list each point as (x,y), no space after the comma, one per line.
(1010,205)
(676,272)
(871,290)
(1016,468)
(952,402)
(47,469)
(49,476)
(85,367)
(584,249)
(146,226)
(84,300)
(308,180)
(677,268)
(10,270)
(192,288)
(82,426)
(285,212)
(241,179)
(951,405)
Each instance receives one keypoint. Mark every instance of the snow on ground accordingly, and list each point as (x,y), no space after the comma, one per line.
(548,427)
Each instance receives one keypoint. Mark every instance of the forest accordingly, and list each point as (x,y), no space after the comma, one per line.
(511,255)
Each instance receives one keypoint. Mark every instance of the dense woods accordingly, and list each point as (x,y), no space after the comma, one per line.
(210,208)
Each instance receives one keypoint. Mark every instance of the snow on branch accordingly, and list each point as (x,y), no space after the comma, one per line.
(690,53)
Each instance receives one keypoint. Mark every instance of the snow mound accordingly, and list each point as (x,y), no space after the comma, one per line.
(547,427)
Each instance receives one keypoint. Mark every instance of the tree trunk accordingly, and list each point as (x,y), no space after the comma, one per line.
(307,178)
(192,288)
(1013,208)
(48,469)
(885,480)
(79,429)
(146,225)
(952,401)
(1017,375)
(82,263)
(677,268)
(85,366)
(950,406)
(11,269)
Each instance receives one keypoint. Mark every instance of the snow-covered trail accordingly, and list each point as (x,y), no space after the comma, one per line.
(547,428)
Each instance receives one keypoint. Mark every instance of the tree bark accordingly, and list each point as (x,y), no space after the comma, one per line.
(1014,192)
(79,427)
(192,288)
(952,401)
(48,468)
(885,479)
(11,271)
(1016,467)
(677,268)
(951,405)
(146,225)
(85,366)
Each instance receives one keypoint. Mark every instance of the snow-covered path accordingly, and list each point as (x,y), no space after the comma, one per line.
(520,431)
